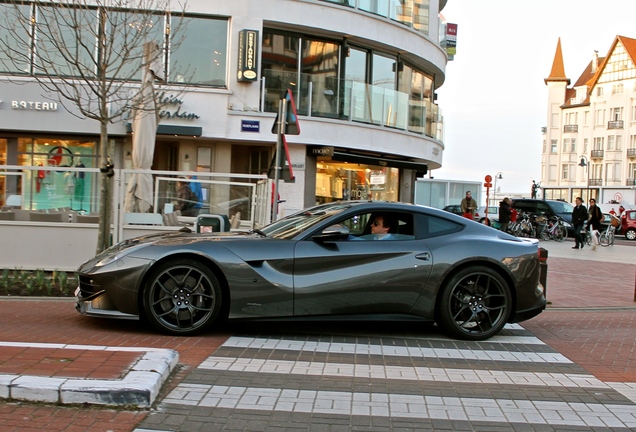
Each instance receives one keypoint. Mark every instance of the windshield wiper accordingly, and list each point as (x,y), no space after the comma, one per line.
(257,231)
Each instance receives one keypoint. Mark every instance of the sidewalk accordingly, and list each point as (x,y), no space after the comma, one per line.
(591,319)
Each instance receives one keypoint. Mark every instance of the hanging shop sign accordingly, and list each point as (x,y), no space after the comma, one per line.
(248,55)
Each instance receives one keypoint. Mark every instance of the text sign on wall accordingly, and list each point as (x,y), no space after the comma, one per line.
(250,125)
(247,55)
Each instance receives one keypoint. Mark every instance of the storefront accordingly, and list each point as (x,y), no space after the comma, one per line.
(43,189)
(344,175)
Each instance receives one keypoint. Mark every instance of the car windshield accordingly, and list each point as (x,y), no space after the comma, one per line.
(291,226)
(560,206)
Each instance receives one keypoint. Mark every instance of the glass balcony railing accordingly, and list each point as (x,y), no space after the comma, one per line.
(348,100)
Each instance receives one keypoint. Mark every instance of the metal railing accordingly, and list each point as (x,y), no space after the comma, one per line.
(571,128)
(597,154)
(71,194)
(348,100)
(615,124)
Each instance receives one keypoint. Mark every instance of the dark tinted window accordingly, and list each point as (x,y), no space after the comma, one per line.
(432,226)
(560,207)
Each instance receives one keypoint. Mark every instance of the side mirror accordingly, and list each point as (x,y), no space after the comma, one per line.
(334,232)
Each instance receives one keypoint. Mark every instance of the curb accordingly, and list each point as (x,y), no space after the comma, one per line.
(139,386)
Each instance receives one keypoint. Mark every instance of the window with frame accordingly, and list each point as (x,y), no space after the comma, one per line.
(573,148)
(566,145)
(598,143)
(600,116)
(201,57)
(632,141)
(553,146)
(619,142)
(617,113)
(585,143)
(617,88)
(610,142)
(586,118)
(565,172)
(599,91)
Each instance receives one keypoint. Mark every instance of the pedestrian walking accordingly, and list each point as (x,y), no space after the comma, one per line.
(594,222)
(579,216)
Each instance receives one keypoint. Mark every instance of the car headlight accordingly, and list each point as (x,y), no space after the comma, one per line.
(567,224)
(107,260)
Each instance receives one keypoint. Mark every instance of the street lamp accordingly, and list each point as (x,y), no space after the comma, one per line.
(585,163)
(498,176)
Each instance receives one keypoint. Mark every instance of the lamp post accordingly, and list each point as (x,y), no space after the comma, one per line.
(498,176)
(585,163)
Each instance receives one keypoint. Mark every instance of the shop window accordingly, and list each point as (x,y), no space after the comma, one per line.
(339,181)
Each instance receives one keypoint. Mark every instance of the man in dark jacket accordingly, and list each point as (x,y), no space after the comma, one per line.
(504,214)
(579,216)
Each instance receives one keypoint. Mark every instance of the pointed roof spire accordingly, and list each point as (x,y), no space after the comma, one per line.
(558,70)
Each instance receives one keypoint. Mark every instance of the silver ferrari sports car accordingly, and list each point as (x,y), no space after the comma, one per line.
(343,260)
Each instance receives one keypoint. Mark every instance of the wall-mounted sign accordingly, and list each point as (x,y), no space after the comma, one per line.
(319,151)
(248,55)
(451,40)
(170,107)
(34,106)
(250,125)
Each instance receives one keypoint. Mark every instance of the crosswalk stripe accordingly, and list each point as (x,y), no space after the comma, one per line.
(233,364)
(404,406)
(398,351)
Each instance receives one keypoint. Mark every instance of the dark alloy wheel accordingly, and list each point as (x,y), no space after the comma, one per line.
(182,297)
(475,304)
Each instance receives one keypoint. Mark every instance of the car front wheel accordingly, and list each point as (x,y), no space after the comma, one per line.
(182,297)
(475,304)
(630,234)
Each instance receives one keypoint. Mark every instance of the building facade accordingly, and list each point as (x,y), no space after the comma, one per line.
(363,75)
(589,143)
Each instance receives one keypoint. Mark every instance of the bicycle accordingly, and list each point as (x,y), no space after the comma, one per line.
(609,235)
(554,230)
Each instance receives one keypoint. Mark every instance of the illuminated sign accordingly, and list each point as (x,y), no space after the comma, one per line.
(248,55)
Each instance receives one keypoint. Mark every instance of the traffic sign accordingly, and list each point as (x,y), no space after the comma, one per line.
(488,178)
(488,185)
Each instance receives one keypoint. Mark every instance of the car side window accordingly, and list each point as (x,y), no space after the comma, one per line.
(543,208)
(433,226)
(380,225)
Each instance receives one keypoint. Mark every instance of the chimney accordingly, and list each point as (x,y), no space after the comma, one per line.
(595,61)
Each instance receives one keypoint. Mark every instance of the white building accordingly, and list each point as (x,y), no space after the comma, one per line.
(589,144)
(363,74)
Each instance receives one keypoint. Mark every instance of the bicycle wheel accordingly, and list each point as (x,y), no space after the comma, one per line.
(603,240)
(588,238)
(560,233)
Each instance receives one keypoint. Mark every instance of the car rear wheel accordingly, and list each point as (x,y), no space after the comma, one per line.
(182,297)
(475,304)
(630,234)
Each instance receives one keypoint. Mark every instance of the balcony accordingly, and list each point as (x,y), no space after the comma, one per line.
(571,128)
(616,124)
(597,154)
(347,100)
(631,152)
(596,182)
(544,130)
(630,182)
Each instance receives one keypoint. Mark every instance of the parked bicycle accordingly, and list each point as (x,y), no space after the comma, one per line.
(523,226)
(608,236)
(554,229)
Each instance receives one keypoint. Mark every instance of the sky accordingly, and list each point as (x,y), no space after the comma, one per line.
(494,99)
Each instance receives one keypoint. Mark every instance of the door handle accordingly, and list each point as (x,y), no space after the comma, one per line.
(425,256)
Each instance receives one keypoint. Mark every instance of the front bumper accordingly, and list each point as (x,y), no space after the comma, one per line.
(100,306)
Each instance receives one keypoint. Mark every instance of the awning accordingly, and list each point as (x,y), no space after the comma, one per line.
(379,161)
